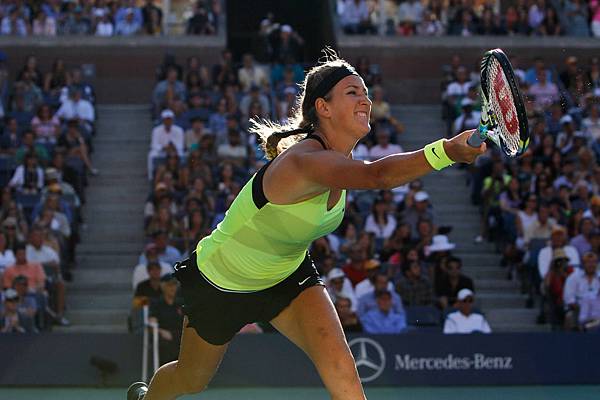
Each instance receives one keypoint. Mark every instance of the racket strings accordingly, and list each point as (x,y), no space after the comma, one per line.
(511,140)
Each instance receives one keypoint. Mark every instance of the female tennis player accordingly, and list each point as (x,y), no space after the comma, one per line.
(255,266)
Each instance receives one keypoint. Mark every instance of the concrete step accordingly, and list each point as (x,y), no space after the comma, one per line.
(105,261)
(477,273)
(98,317)
(476,259)
(123,248)
(517,316)
(493,298)
(102,276)
(100,287)
(114,301)
(496,285)
(93,328)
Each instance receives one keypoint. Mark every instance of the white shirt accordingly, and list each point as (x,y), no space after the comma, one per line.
(457,322)
(140,272)
(6,259)
(228,151)
(347,292)
(377,151)
(360,152)
(470,122)
(45,254)
(83,109)
(381,232)
(18,178)
(161,138)
(527,220)
(578,287)
(104,29)
(545,258)
(365,287)
(458,89)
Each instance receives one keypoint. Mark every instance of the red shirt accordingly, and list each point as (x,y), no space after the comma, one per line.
(34,272)
(354,275)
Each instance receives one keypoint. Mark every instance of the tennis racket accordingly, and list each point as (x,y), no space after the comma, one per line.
(503,116)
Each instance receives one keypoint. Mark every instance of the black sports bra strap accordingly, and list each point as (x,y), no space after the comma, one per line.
(258,193)
(317,138)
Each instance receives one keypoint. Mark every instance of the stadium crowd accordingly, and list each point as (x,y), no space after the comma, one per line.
(47,126)
(388,267)
(542,210)
(471,17)
(101,18)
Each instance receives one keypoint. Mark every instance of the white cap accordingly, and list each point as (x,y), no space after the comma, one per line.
(166,114)
(464,293)
(421,196)
(335,273)
(466,102)
(10,294)
(286,28)
(440,243)
(566,119)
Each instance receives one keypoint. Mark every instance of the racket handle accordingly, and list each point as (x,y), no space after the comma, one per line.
(475,139)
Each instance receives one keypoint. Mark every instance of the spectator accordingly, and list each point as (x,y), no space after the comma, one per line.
(576,12)
(383,320)
(85,89)
(165,252)
(468,119)
(251,75)
(558,240)
(11,137)
(13,24)
(355,269)
(34,272)
(104,27)
(254,96)
(414,288)
(152,16)
(165,136)
(7,257)
(452,282)
(410,14)
(367,300)
(202,21)
(234,150)
(582,242)
(11,319)
(287,46)
(150,255)
(77,108)
(595,10)
(73,142)
(348,318)
(355,18)
(465,320)
(27,302)
(27,91)
(339,286)
(44,25)
(28,146)
(167,313)
(383,147)
(150,289)
(541,228)
(579,287)
(28,177)
(45,125)
(129,26)
(380,222)
(168,90)
(544,92)
(553,288)
(417,210)
(76,23)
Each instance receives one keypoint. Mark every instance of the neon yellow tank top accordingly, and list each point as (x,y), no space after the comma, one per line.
(259,244)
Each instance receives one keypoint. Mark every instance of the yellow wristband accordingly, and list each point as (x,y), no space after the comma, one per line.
(436,155)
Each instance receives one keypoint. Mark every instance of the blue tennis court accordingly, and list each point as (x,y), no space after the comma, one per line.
(414,393)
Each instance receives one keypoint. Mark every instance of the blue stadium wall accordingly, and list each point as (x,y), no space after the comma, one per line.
(271,360)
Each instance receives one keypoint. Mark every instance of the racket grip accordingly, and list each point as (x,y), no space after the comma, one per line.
(475,139)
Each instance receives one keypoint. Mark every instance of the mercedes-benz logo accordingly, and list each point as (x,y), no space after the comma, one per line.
(369,357)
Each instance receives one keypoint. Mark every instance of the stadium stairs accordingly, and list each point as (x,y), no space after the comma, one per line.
(99,298)
(500,299)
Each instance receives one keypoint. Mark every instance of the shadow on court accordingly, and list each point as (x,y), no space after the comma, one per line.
(412,393)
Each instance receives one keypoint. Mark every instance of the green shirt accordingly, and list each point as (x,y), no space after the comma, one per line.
(256,248)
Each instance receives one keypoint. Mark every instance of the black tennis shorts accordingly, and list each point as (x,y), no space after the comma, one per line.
(217,315)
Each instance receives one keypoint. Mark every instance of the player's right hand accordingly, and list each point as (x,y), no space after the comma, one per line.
(460,151)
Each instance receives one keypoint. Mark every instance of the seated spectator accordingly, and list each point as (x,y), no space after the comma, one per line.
(128,26)
(36,278)
(380,222)
(355,268)
(76,148)
(417,209)
(11,319)
(152,17)
(355,18)
(75,23)
(553,289)
(410,14)
(28,145)
(348,318)
(383,147)
(558,240)
(11,137)
(464,320)
(164,220)
(104,27)
(582,242)
(384,320)
(448,287)
(45,125)
(168,90)
(468,118)
(234,151)
(576,12)
(165,252)
(13,24)
(580,286)
(27,90)
(255,95)
(27,302)
(193,136)
(28,177)
(544,92)
(76,82)
(339,286)
(367,301)
(414,288)
(367,285)
(164,136)
(167,313)
(541,228)
(150,289)
(7,257)
(202,21)
(287,45)
(251,75)
(150,255)
(76,108)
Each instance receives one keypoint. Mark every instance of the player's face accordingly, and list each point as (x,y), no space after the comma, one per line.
(351,106)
